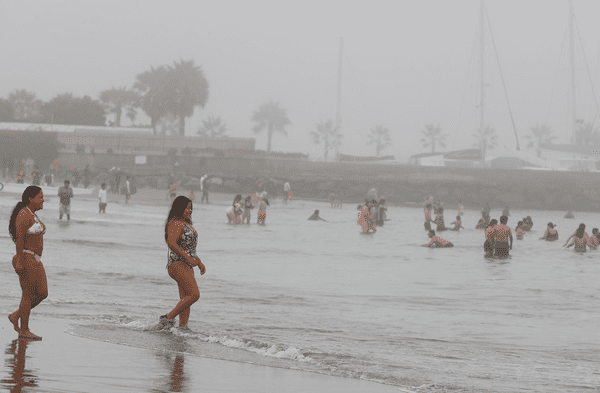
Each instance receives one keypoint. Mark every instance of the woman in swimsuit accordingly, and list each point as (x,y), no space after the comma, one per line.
(27,231)
(580,240)
(551,234)
(182,238)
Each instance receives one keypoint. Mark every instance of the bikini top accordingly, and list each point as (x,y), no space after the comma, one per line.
(38,228)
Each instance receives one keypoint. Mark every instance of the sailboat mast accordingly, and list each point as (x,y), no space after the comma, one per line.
(338,114)
(482,93)
(572,56)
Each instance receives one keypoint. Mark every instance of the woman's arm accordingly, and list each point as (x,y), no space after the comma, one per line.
(22,224)
(174,232)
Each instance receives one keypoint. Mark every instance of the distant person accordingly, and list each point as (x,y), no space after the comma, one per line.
(427,226)
(204,185)
(127,189)
(332,199)
(457,224)
(182,239)
(490,239)
(87,174)
(287,192)
(502,236)
(519,230)
(527,223)
(484,221)
(118,180)
(364,216)
(173,189)
(460,208)
(594,239)
(315,217)
(569,214)
(428,210)
(262,210)
(382,212)
(372,216)
(102,199)
(580,240)
(551,234)
(27,232)
(248,206)
(48,179)
(486,209)
(439,219)
(65,194)
(437,242)
(237,209)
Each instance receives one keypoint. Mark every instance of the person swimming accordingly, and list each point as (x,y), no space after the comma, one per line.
(490,239)
(437,242)
(519,230)
(551,234)
(315,217)
(457,224)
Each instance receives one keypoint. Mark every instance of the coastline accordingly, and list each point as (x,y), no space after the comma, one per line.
(68,363)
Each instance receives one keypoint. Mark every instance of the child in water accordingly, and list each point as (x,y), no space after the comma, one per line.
(237,209)
(247,210)
(490,239)
(315,217)
(439,219)
(457,224)
(594,239)
(519,230)
(262,210)
(437,242)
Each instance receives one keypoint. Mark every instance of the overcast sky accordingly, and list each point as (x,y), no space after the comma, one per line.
(406,63)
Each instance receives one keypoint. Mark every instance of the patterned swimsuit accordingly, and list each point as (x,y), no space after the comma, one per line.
(188,242)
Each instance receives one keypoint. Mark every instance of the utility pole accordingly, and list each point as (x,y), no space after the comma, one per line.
(338,114)
(482,87)
(572,56)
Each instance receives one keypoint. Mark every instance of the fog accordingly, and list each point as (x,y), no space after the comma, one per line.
(405,63)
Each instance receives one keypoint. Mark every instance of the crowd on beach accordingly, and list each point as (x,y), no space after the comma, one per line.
(498,235)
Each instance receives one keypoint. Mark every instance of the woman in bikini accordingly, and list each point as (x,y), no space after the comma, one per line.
(182,238)
(27,231)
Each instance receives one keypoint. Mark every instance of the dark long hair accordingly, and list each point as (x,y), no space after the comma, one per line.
(30,192)
(580,231)
(177,208)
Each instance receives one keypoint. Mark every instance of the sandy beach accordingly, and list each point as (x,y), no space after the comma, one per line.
(62,362)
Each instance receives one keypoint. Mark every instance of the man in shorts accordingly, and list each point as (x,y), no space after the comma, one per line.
(65,194)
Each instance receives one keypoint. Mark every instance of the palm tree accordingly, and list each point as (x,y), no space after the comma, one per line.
(490,139)
(542,134)
(380,137)
(433,136)
(212,127)
(25,106)
(587,134)
(190,90)
(327,134)
(156,94)
(115,100)
(273,118)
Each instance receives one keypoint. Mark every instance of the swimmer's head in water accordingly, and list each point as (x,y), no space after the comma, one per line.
(520,223)
(431,233)
(595,231)
(503,220)
(582,225)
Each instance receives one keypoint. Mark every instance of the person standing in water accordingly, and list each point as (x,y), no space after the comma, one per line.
(182,239)
(594,239)
(581,226)
(503,235)
(27,232)
(519,230)
(457,224)
(102,199)
(287,192)
(262,210)
(65,194)
(580,240)
(490,239)
(248,206)
(460,208)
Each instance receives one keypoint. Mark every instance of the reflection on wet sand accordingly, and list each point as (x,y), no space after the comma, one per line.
(19,377)
(173,362)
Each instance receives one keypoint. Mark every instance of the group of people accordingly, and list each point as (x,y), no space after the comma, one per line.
(240,212)
(372,214)
(438,220)
(27,232)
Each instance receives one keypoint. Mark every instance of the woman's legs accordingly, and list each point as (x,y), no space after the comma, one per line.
(188,291)
(34,286)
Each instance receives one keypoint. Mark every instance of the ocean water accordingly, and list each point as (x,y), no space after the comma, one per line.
(320,296)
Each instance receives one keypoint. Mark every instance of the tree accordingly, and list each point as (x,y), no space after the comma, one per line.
(168,125)
(542,134)
(66,109)
(26,108)
(433,136)
(116,100)
(490,139)
(190,90)
(329,135)
(587,134)
(271,117)
(156,96)
(213,127)
(6,110)
(380,137)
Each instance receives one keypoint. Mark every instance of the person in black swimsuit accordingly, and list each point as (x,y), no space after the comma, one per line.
(182,239)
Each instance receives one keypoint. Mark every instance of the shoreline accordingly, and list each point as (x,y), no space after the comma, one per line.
(66,362)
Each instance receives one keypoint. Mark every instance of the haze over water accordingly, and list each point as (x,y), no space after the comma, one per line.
(322,297)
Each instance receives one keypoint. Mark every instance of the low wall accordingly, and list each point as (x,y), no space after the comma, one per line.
(517,188)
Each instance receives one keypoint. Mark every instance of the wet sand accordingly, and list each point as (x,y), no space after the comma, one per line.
(66,363)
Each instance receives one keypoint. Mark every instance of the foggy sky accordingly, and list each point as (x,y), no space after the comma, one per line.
(406,63)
